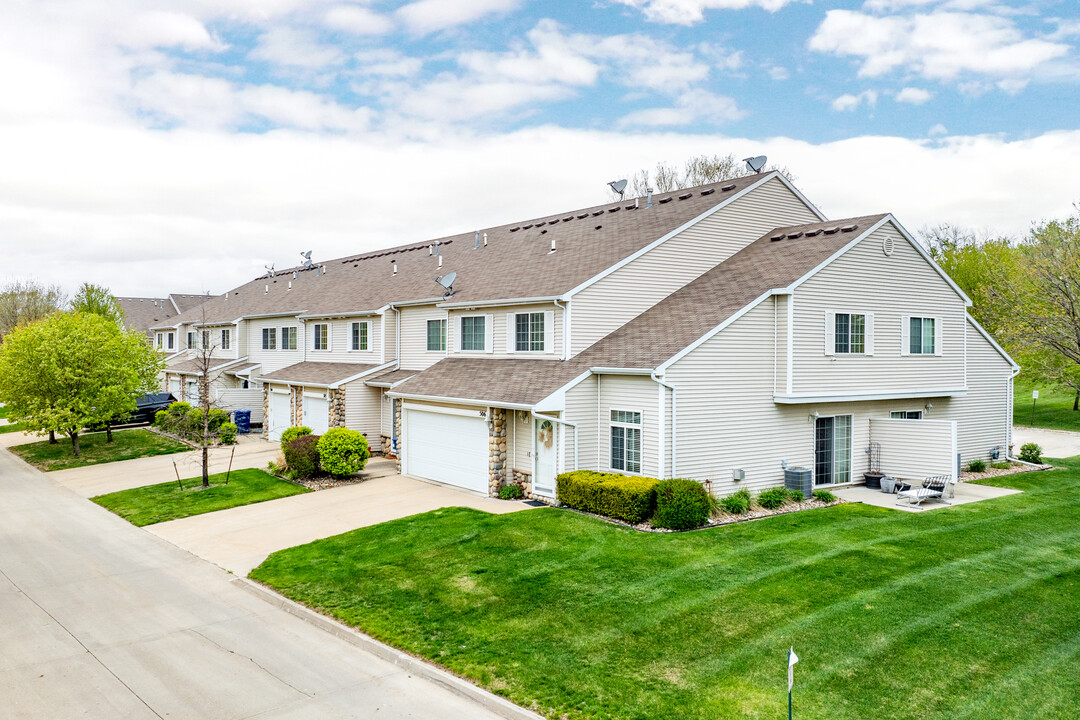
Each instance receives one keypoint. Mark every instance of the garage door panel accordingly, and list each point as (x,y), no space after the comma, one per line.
(317,414)
(280,407)
(452,449)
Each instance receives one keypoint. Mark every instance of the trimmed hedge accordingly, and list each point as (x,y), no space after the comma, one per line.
(1031,452)
(628,498)
(343,452)
(302,457)
(681,504)
(290,434)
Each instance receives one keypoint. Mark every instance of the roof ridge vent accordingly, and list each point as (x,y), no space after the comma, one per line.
(849,228)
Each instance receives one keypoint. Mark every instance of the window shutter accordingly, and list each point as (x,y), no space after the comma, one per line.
(937,336)
(489,333)
(830,333)
(868,331)
(905,335)
(549,331)
(510,326)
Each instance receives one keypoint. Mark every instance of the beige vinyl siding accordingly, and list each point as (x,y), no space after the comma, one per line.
(866,281)
(240,399)
(362,411)
(519,440)
(635,393)
(272,360)
(727,419)
(637,286)
(581,409)
(340,336)
(414,354)
(388,330)
(780,339)
(498,318)
(933,439)
(386,421)
(984,415)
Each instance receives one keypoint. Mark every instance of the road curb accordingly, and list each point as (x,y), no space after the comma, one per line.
(417,667)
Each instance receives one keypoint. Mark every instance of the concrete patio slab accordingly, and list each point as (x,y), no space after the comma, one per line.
(965,493)
(1054,443)
(239,539)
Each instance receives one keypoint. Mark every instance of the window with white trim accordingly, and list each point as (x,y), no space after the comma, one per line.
(226,338)
(359,336)
(436,335)
(626,440)
(906,415)
(921,339)
(191,340)
(170,341)
(206,339)
(850,334)
(473,332)
(288,338)
(320,336)
(160,340)
(529,332)
(269,338)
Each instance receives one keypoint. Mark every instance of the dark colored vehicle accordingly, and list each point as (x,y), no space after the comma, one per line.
(148,405)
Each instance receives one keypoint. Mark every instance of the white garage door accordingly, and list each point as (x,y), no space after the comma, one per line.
(174,387)
(279,416)
(447,448)
(316,414)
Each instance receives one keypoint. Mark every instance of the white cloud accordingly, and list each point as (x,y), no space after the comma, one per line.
(848,102)
(694,106)
(387,63)
(358,20)
(169,29)
(688,12)
(286,46)
(937,130)
(914,95)
(1012,86)
(428,16)
(779,73)
(940,45)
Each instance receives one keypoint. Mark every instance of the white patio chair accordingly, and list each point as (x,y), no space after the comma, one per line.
(933,488)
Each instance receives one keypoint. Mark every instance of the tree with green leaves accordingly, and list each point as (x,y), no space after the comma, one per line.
(97,300)
(26,301)
(74,370)
(698,170)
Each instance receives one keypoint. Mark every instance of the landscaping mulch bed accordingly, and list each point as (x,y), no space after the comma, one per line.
(326,483)
(968,476)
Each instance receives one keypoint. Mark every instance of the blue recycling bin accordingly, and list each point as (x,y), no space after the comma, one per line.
(242,418)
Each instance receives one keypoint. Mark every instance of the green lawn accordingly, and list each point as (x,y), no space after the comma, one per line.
(1052,410)
(14,427)
(965,612)
(158,503)
(126,444)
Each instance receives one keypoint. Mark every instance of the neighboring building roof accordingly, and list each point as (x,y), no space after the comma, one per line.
(195,365)
(242,369)
(317,373)
(388,379)
(143,313)
(776,260)
(184,303)
(516,262)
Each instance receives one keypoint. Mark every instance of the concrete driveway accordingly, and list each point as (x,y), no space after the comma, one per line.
(104,620)
(239,539)
(1054,443)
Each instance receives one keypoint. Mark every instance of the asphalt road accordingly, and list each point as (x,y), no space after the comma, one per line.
(100,619)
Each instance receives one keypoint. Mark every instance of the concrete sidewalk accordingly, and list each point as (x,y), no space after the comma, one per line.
(1054,443)
(239,539)
(103,620)
(251,452)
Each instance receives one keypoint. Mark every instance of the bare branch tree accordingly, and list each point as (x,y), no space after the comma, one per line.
(698,170)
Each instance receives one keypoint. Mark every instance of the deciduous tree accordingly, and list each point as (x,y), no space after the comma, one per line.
(26,301)
(698,170)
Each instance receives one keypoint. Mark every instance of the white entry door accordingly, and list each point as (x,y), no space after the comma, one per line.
(544,478)
(279,420)
(317,414)
(452,449)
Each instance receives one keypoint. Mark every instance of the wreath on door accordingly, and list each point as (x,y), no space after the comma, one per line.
(546,435)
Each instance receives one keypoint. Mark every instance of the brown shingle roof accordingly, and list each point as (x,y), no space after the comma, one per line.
(317,373)
(516,263)
(388,379)
(195,365)
(660,332)
(145,313)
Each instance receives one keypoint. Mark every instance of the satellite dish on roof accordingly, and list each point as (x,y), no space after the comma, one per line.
(269,271)
(447,282)
(618,186)
(754,164)
(307,259)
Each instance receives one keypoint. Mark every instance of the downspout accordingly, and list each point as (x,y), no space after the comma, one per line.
(1008,414)
(674,424)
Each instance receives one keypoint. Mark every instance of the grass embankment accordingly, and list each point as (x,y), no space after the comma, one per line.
(126,445)
(159,503)
(964,612)
(1053,409)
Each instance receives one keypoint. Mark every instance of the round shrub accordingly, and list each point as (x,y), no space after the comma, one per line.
(302,457)
(343,452)
(737,503)
(227,433)
(772,499)
(681,504)
(290,434)
(511,492)
(160,416)
(1031,452)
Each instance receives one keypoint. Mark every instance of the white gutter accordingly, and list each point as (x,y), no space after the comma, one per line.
(561,422)
(329,386)
(674,437)
(460,401)
(495,303)
(331,316)
(620,371)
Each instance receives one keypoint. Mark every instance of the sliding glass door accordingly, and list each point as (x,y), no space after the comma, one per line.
(832,450)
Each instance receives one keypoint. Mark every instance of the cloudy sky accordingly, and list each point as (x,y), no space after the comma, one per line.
(181,145)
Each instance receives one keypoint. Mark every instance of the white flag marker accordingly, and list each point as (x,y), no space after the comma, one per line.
(792,658)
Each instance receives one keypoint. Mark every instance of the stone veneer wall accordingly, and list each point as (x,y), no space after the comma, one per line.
(297,395)
(337,407)
(266,409)
(496,450)
(397,431)
(523,479)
